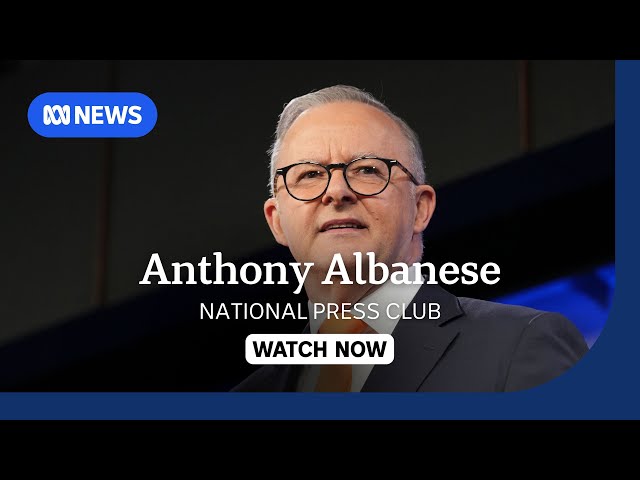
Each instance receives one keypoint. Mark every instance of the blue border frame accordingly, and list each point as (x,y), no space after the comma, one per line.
(605,384)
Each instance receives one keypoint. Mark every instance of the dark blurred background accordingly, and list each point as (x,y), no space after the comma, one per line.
(521,154)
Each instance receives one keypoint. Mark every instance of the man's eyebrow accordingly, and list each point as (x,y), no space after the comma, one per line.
(324,161)
(308,159)
(364,154)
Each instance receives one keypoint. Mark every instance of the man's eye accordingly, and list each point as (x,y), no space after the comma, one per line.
(368,170)
(309,175)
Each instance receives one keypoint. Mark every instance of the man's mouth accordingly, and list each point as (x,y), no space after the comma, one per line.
(342,225)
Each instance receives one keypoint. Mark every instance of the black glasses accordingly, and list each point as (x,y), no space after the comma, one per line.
(366,176)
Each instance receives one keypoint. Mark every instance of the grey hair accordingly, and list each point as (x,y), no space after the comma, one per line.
(334,94)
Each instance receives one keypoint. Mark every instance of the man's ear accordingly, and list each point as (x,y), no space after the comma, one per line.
(272,215)
(425,206)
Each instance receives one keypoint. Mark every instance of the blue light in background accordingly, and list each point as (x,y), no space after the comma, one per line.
(584,298)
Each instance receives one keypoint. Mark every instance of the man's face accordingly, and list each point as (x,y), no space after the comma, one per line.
(388,224)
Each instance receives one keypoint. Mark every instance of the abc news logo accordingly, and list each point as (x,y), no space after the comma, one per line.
(92,114)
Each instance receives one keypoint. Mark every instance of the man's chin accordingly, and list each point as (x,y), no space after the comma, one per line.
(347,259)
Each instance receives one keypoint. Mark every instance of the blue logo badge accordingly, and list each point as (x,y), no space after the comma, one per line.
(92,114)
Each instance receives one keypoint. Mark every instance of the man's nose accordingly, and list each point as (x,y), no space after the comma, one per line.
(338,191)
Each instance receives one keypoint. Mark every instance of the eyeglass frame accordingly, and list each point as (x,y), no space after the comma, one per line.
(388,161)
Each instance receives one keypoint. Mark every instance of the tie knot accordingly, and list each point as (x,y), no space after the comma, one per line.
(342,324)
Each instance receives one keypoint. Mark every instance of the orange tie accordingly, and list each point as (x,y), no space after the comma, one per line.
(337,378)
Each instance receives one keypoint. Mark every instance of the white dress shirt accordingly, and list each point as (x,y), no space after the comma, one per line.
(383,296)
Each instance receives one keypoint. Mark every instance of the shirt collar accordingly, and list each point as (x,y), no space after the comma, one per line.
(376,304)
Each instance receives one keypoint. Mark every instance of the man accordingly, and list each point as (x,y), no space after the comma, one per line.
(347,176)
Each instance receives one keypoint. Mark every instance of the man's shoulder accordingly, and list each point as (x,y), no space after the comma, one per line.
(490,314)
(477,308)
(504,319)
(467,309)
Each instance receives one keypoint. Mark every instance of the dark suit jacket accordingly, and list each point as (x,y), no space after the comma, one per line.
(475,346)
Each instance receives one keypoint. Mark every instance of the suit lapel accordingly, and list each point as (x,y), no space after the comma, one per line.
(418,344)
(287,375)
(286,378)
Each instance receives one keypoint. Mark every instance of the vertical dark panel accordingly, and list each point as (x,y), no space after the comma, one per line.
(48,192)
(524,104)
(570,97)
(104,205)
